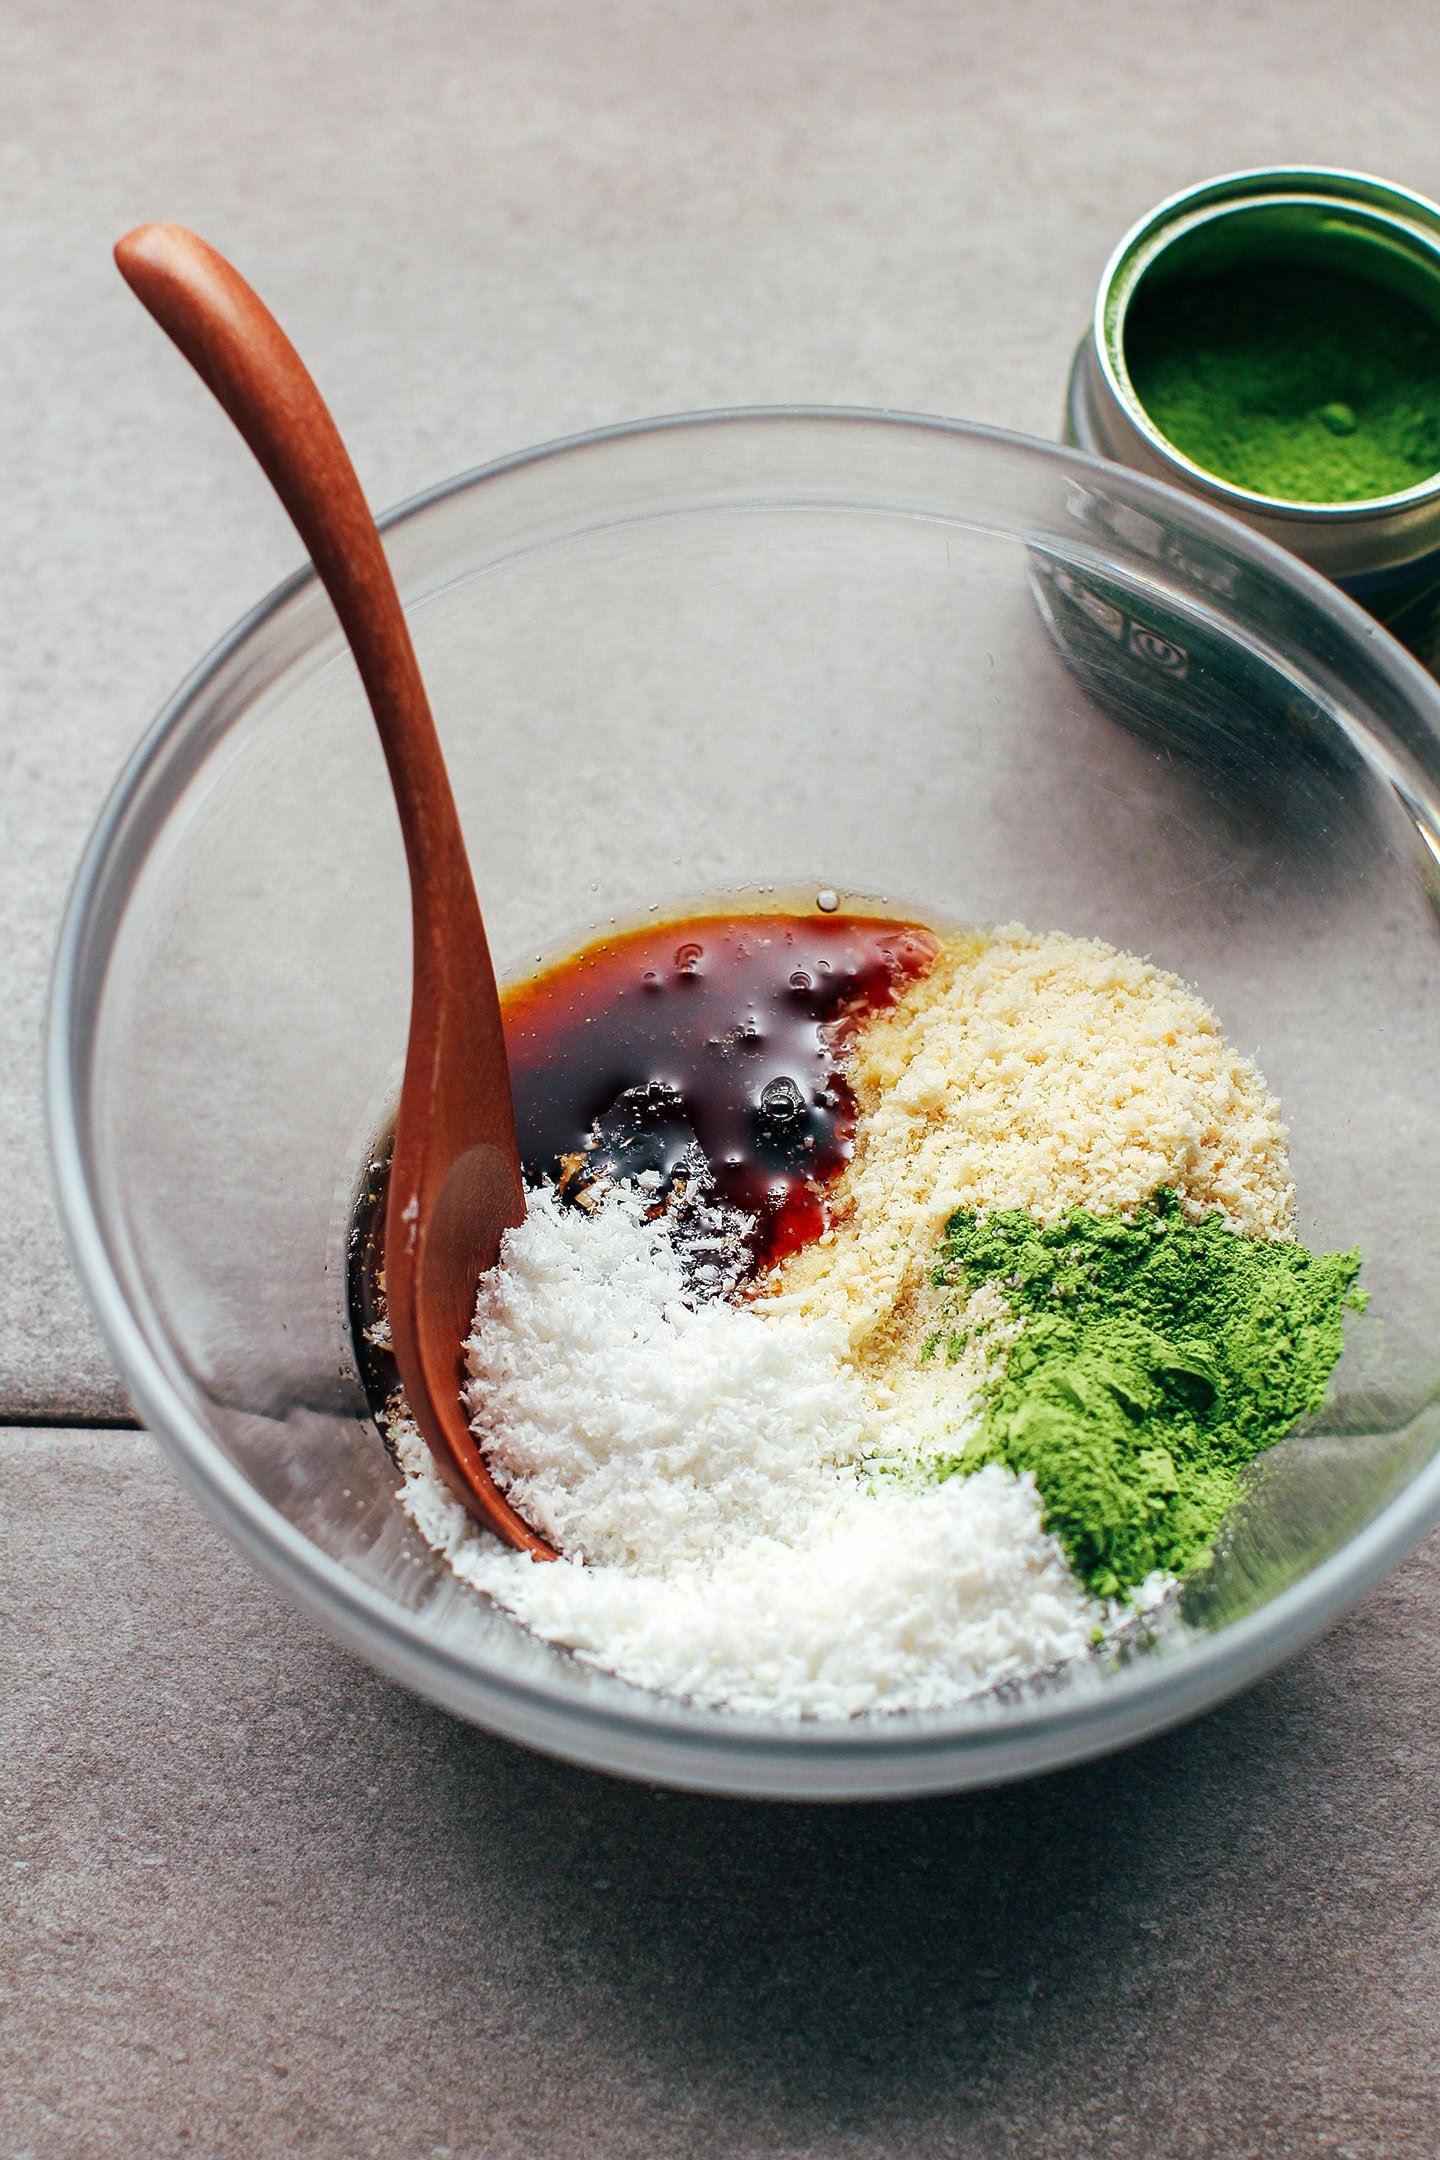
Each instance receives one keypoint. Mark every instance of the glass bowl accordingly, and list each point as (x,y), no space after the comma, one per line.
(920,663)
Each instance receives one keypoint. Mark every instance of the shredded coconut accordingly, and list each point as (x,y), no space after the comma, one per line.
(634,1428)
(733,1551)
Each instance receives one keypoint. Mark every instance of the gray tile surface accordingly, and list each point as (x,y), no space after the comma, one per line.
(487,225)
(261,1902)
(265,1904)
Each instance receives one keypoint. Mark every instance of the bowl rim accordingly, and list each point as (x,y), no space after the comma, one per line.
(711,1751)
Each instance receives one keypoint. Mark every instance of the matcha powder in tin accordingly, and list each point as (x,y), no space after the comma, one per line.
(1301,384)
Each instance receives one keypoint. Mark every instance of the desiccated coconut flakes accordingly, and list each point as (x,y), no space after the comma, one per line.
(733,1553)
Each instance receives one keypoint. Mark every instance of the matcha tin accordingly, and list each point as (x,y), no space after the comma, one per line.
(1286,240)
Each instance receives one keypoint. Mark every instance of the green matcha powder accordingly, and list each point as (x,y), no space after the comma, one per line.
(1306,385)
(1158,1357)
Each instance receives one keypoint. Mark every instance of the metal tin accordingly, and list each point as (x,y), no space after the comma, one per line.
(1386,552)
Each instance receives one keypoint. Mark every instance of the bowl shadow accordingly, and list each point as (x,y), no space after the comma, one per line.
(1086,1948)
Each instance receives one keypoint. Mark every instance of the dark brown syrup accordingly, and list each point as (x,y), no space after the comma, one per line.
(722,1033)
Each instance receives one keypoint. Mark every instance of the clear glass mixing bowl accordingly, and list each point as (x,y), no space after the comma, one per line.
(977,676)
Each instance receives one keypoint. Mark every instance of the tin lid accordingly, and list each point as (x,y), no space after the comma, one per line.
(1303,213)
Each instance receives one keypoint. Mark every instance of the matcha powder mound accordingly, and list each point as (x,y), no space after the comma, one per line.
(1158,1355)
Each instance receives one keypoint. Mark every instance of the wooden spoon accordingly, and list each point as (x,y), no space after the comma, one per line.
(455,1182)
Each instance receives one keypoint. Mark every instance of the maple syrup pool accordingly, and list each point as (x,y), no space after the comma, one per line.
(723,1032)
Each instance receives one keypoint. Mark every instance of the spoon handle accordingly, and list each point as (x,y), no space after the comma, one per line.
(245,359)
(455,1180)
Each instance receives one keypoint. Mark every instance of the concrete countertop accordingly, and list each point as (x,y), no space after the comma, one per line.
(260,1901)
(270,1905)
